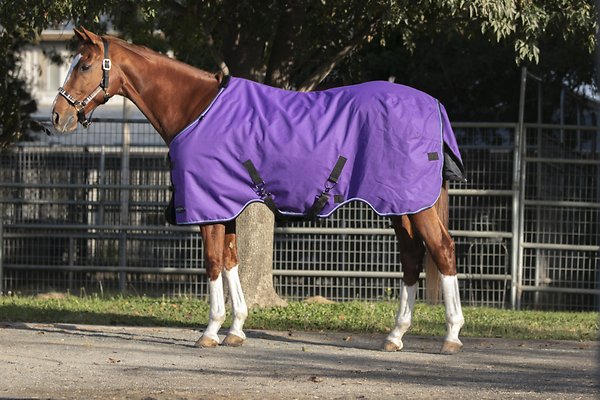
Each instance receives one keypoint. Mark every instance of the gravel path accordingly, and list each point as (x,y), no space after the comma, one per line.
(55,361)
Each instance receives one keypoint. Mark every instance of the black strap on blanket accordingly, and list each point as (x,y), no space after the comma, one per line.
(320,201)
(259,188)
(323,198)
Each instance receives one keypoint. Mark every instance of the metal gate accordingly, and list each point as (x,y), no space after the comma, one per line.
(84,213)
(559,214)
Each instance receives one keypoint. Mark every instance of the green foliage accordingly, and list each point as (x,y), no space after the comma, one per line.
(526,22)
(15,101)
(243,35)
(21,23)
(347,317)
(476,75)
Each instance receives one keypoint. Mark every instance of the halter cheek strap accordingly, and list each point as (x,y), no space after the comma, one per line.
(80,105)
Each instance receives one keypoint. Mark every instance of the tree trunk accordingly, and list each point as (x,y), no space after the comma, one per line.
(325,69)
(255,225)
(255,230)
(242,48)
(244,55)
(281,59)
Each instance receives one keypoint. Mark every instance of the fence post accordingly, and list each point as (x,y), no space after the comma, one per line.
(1,259)
(124,212)
(518,193)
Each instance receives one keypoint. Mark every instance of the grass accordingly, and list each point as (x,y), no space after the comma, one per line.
(356,316)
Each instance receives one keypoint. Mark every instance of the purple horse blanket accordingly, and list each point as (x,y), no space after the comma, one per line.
(377,142)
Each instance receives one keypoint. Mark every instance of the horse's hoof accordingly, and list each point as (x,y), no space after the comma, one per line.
(205,341)
(232,340)
(389,346)
(451,347)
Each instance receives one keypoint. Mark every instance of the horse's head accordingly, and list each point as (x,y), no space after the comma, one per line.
(87,85)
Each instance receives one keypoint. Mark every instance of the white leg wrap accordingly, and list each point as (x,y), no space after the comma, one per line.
(404,316)
(240,311)
(217,309)
(454,315)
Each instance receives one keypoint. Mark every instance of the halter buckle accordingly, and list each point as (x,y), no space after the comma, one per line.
(106,64)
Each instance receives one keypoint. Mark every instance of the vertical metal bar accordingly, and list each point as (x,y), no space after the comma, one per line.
(102,191)
(19,193)
(562,115)
(71,262)
(124,212)
(518,193)
(539,266)
(597,147)
(1,258)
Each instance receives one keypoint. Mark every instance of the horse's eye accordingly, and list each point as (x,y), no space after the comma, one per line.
(85,67)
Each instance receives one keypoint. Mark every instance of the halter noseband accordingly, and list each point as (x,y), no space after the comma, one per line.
(80,105)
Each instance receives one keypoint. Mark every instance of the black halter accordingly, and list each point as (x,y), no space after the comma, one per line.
(80,105)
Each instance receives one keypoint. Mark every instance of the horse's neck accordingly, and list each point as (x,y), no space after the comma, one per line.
(169,93)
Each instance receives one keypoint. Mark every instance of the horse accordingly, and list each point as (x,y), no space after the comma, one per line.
(185,105)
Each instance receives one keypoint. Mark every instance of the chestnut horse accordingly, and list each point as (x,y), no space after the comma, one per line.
(172,95)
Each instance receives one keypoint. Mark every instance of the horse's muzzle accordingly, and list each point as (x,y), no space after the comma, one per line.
(64,123)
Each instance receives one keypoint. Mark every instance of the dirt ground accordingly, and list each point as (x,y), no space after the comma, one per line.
(54,361)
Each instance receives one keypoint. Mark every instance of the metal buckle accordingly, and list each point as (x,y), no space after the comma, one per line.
(260,190)
(106,64)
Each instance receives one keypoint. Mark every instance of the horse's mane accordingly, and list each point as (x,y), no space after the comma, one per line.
(151,55)
(141,51)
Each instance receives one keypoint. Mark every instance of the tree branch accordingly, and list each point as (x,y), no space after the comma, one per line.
(325,68)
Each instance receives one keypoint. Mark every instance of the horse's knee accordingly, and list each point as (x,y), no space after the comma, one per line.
(214,267)
(412,250)
(447,257)
(410,276)
(230,254)
(213,238)
(412,264)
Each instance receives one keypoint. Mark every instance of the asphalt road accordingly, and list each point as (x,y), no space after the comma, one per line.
(97,362)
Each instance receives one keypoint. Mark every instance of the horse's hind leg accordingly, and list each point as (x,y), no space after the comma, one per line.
(441,247)
(235,336)
(411,256)
(213,238)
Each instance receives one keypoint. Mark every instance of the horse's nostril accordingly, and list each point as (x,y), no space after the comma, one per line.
(55,118)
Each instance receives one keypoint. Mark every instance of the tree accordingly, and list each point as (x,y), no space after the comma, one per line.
(21,23)
(16,102)
(474,75)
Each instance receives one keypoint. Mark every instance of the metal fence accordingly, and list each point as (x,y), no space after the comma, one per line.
(84,213)
(560,218)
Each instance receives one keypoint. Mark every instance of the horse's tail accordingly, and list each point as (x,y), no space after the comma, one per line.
(432,276)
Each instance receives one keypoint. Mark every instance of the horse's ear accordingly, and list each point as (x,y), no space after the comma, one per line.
(80,35)
(87,36)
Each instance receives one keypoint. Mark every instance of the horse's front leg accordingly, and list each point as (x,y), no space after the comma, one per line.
(235,336)
(213,238)
(411,256)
